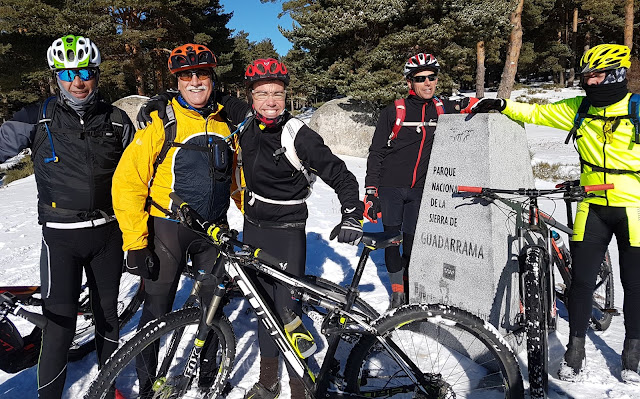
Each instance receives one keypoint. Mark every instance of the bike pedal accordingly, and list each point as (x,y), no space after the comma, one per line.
(611,311)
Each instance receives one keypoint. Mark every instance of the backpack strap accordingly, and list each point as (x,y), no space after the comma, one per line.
(117,121)
(46,115)
(439,105)
(401,113)
(170,131)
(287,139)
(634,115)
(582,113)
(597,168)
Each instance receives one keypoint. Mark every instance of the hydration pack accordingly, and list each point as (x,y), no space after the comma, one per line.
(401,113)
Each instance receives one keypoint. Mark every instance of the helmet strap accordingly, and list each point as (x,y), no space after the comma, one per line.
(270,123)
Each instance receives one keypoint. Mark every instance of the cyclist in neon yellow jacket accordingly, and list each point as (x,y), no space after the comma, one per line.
(607,138)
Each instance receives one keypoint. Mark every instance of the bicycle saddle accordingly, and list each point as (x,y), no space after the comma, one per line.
(382,240)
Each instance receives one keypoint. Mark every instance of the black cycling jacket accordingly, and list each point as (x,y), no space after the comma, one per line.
(78,186)
(275,178)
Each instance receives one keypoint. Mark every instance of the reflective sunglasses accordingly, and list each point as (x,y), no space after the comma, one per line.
(68,75)
(422,78)
(202,74)
(263,95)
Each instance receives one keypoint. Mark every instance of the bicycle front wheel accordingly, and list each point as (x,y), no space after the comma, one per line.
(457,354)
(535,310)
(130,296)
(155,362)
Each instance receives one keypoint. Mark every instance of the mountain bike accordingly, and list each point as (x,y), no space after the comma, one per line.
(18,352)
(417,350)
(537,253)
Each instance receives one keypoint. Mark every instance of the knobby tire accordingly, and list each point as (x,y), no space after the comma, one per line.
(535,309)
(121,367)
(460,354)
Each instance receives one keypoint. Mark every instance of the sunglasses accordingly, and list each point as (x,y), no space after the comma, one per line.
(263,95)
(186,76)
(68,75)
(422,78)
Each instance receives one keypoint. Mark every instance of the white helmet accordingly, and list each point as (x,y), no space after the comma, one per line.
(420,62)
(73,52)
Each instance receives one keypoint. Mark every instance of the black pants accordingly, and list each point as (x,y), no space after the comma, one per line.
(64,254)
(173,244)
(288,245)
(400,207)
(595,225)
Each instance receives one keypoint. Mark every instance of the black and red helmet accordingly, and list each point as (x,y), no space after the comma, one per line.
(266,69)
(191,56)
(420,62)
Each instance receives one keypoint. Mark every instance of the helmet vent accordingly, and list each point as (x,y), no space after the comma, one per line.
(80,54)
(70,55)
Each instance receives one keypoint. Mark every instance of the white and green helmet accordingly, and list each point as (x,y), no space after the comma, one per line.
(73,52)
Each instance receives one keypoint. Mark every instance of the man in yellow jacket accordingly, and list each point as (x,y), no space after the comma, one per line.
(190,157)
(608,142)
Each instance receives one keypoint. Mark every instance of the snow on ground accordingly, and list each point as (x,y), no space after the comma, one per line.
(20,249)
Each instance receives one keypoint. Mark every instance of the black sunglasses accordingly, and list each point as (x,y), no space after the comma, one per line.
(422,78)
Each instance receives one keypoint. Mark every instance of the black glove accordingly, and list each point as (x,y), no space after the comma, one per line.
(142,262)
(349,230)
(489,104)
(155,103)
(372,207)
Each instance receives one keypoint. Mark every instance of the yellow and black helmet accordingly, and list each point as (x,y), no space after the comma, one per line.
(605,57)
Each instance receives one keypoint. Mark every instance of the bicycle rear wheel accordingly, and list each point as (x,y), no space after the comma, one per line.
(457,353)
(130,296)
(173,337)
(533,266)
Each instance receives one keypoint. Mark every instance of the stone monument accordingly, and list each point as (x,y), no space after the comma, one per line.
(465,252)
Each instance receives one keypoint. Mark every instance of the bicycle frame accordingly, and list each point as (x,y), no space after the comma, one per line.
(338,305)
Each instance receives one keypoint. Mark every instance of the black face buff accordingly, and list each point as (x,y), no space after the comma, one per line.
(603,95)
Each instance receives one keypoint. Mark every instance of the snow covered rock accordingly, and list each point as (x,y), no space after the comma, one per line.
(346,125)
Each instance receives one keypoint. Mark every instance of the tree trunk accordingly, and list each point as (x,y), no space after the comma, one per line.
(480,69)
(572,60)
(628,24)
(513,53)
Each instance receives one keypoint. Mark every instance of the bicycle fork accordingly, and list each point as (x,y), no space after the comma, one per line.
(204,286)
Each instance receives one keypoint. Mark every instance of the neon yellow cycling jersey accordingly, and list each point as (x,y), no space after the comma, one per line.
(607,144)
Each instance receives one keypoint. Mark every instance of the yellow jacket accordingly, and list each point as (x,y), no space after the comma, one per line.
(189,171)
(597,144)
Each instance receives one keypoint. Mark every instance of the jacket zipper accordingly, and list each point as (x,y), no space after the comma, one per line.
(424,136)
(89,166)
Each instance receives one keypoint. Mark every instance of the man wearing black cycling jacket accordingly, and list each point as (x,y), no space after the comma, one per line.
(608,142)
(76,141)
(399,159)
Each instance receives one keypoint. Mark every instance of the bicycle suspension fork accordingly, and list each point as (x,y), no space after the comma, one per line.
(322,383)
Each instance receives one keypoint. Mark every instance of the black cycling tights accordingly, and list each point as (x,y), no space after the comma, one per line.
(601,223)
(65,253)
(288,245)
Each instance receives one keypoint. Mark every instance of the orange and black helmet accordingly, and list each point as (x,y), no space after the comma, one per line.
(191,56)
(266,69)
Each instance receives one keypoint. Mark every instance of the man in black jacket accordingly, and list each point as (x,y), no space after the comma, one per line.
(398,162)
(76,141)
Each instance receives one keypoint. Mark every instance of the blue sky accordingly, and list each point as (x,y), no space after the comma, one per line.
(260,21)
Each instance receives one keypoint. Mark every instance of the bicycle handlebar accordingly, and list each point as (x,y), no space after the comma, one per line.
(571,189)
(218,234)
(11,304)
